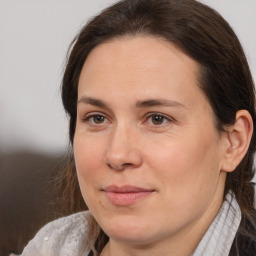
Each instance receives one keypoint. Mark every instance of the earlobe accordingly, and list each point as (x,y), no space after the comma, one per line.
(239,137)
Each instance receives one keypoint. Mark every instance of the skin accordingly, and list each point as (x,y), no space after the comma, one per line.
(118,141)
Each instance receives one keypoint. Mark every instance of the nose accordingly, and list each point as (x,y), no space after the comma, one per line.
(123,150)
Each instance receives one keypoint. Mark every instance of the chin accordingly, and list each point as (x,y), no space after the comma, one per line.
(128,230)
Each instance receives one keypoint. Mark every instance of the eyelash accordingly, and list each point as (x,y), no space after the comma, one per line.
(165,119)
(87,118)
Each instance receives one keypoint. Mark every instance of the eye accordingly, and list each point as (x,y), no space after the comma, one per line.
(95,119)
(158,119)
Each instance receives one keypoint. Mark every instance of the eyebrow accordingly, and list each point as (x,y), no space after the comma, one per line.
(158,102)
(139,104)
(92,101)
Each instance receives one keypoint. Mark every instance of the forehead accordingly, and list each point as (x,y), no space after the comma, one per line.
(144,64)
(138,53)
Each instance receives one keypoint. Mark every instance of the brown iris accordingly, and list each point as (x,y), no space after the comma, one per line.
(97,119)
(157,119)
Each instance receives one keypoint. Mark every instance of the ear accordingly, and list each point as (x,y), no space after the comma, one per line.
(238,140)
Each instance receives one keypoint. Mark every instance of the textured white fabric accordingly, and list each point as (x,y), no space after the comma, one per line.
(219,237)
(62,237)
(67,236)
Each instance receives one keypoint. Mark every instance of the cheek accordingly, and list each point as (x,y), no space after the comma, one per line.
(188,163)
(188,175)
(88,158)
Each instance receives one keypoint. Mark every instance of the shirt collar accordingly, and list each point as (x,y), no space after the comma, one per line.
(219,237)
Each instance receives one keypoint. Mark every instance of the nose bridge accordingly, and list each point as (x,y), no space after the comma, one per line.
(122,150)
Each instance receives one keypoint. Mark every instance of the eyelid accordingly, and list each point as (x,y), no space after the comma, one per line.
(160,114)
(167,120)
(89,115)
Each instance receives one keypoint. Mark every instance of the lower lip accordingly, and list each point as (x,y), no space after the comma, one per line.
(124,199)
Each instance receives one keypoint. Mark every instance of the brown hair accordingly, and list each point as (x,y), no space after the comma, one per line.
(225,78)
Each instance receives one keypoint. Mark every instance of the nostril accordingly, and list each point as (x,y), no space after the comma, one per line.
(119,167)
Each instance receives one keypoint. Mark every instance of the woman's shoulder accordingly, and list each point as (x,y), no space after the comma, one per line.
(65,236)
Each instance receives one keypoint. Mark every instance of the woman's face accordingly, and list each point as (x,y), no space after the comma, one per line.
(147,152)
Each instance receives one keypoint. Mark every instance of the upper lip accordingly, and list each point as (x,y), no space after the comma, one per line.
(126,189)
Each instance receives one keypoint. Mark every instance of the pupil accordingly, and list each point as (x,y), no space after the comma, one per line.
(158,120)
(98,119)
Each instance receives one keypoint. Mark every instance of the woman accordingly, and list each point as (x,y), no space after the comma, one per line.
(162,114)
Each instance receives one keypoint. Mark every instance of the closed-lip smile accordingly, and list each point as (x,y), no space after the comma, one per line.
(126,195)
